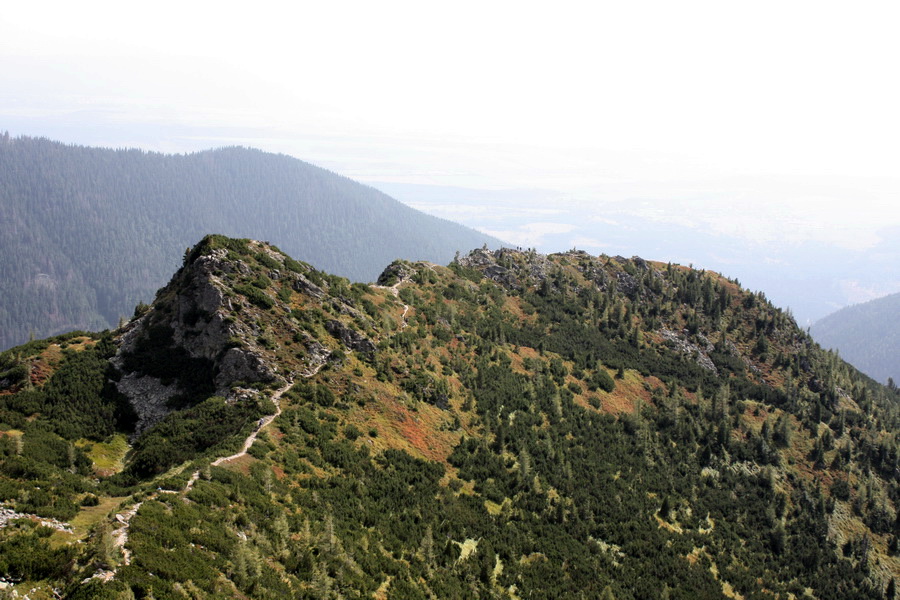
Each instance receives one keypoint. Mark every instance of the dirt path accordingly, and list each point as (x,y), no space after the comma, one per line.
(396,292)
(120,534)
(262,424)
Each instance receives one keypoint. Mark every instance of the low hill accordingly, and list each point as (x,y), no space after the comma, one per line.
(512,426)
(867,335)
(87,233)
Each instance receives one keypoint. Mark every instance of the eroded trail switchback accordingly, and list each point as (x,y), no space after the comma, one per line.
(123,519)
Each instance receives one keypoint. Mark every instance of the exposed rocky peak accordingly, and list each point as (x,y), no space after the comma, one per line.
(396,272)
(640,263)
(224,323)
(576,253)
(515,269)
(509,267)
(190,341)
(468,404)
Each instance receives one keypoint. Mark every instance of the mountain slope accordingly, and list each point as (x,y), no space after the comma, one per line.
(867,335)
(512,426)
(87,233)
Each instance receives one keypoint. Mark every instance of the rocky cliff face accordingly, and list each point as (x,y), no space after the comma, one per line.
(192,322)
(225,324)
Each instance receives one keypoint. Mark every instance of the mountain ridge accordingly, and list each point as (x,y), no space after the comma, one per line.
(510,425)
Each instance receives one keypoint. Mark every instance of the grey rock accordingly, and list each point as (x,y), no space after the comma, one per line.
(508,267)
(695,352)
(148,396)
(351,338)
(502,275)
(346,309)
(627,284)
(316,354)
(198,311)
(640,263)
(241,364)
(305,286)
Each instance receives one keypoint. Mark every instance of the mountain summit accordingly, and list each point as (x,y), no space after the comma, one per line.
(512,425)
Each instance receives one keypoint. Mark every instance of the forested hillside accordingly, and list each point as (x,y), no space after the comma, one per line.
(510,426)
(866,335)
(87,233)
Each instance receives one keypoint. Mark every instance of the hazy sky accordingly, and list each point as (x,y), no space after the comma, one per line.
(773,122)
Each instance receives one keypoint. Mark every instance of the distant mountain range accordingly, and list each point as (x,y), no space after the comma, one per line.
(866,335)
(87,233)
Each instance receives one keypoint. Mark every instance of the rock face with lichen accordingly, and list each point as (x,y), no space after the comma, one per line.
(681,343)
(351,338)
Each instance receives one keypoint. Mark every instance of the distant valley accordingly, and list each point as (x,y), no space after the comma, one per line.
(866,335)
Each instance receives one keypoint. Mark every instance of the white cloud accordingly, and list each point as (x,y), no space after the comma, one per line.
(607,221)
(467,213)
(856,292)
(589,243)
(775,211)
(690,84)
(530,235)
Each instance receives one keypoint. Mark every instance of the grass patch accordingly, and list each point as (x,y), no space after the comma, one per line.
(109,456)
(493,508)
(466,549)
(89,516)
(629,392)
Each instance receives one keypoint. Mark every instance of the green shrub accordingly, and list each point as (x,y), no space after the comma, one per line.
(255,296)
(90,500)
(601,379)
(351,432)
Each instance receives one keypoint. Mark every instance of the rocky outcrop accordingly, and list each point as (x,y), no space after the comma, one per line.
(190,343)
(149,397)
(316,354)
(242,364)
(502,275)
(305,286)
(627,284)
(7,515)
(351,338)
(508,267)
(395,272)
(692,350)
